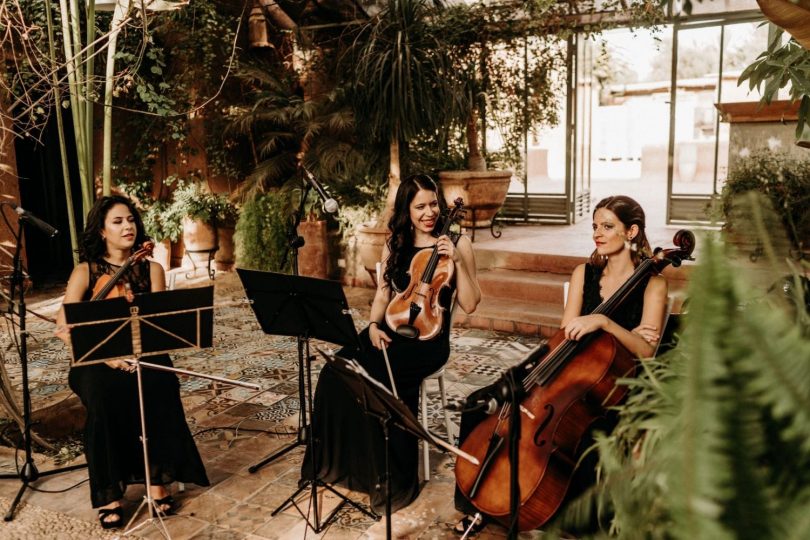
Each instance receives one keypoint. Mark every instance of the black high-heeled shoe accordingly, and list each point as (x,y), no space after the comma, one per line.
(169,501)
(467,523)
(104,512)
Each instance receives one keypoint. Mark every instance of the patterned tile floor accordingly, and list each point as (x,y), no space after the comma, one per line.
(236,428)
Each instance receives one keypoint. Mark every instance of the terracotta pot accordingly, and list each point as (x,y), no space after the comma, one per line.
(313,258)
(162,253)
(484,191)
(370,242)
(224,256)
(199,239)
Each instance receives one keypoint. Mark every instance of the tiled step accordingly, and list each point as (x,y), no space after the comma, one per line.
(523,286)
(509,315)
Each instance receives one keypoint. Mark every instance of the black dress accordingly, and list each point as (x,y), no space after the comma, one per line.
(349,446)
(112,430)
(628,317)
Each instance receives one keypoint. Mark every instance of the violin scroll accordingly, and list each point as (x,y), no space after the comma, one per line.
(684,239)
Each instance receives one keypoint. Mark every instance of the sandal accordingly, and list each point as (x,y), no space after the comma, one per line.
(104,512)
(169,501)
(467,523)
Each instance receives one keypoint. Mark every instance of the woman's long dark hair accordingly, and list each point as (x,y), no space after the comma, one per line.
(92,246)
(400,224)
(629,213)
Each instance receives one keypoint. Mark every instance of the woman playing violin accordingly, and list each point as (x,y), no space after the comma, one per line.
(109,391)
(349,445)
(621,242)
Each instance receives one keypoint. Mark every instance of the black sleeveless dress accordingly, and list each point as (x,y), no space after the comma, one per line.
(628,317)
(112,430)
(349,446)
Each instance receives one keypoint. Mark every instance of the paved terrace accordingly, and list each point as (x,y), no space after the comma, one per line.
(236,428)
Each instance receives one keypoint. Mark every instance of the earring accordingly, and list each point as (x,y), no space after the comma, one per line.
(629,244)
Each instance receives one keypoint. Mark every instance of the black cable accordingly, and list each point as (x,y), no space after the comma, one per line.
(40,490)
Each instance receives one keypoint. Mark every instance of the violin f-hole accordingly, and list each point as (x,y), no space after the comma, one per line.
(549,415)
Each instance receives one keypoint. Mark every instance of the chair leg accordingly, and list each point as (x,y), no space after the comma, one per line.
(424,419)
(447,423)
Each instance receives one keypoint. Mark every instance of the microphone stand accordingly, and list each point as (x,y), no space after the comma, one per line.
(29,472)
(295,242)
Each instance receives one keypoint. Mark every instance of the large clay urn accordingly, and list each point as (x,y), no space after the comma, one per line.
(224,256)
(162,253)
(370,242)
(483,191)
(313,258)
(199,239)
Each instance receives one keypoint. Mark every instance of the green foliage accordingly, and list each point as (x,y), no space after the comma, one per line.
(170,82)
(285,129)
(398,73)
(156,224)
(780,66)
(783,179)
(261,232)
(714,441)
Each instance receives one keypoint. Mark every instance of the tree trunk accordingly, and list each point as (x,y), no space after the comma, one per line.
(393,184)
(475,160)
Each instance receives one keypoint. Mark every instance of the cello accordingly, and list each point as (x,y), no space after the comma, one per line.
(415,312)
(566,385)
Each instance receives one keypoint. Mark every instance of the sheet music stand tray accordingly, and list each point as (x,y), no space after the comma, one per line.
(303,307)
(117,329)
(379,403)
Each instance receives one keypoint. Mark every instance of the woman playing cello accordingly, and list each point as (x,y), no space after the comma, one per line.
(619,235)
(350,445)
(109,390)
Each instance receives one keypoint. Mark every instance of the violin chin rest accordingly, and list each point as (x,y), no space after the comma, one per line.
(408,331)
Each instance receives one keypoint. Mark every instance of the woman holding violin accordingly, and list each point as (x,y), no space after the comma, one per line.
(109,390)
(621,243)
(350,446)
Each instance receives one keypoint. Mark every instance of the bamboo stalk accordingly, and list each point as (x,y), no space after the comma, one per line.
(60,128)
(89,78)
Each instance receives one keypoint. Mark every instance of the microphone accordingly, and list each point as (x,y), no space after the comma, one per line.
(330,205)
(489,406)
(28,217)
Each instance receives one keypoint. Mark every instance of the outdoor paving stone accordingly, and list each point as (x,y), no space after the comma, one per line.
(244,518)
(213,532)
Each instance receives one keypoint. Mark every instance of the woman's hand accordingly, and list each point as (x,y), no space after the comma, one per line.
(121,364)
(448,248)
(649,332)
(377,336)
(583,325)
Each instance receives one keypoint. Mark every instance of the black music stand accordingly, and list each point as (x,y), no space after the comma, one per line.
(302,307)
(379,403)
(153,323)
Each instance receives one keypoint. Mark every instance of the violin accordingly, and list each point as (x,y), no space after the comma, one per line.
(111,286)
(416,311)
(567,385)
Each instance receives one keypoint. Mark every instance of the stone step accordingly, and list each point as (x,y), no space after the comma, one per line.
(534,262)
(512,316)
(522,285)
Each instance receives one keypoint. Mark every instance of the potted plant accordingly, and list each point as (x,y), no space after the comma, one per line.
(290,133)
(207,220)
(784,181)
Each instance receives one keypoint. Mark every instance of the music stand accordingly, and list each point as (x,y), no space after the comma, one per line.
(153,323)
(378,402)
(302,307)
